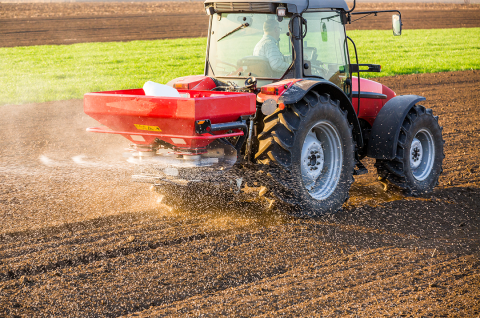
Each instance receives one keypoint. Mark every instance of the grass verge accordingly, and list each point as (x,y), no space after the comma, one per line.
(58,72)
(50,72)
(418,51)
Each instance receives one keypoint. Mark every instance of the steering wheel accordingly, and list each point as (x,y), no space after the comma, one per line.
(318,68)
(310,55)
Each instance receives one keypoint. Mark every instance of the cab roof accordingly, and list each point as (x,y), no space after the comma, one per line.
(293,6)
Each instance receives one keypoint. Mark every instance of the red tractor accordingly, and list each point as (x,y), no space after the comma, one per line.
(278,108)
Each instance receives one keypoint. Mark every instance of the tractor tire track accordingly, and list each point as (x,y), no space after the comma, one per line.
(73,252)
(338,283)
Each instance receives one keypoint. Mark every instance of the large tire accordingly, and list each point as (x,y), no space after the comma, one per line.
(309,151)
(418,161)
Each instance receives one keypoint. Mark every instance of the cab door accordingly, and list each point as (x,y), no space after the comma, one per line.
(325,52)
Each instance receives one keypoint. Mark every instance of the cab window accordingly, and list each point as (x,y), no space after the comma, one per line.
(324,47)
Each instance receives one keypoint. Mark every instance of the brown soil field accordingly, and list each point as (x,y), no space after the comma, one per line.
(78,239)
(66,23)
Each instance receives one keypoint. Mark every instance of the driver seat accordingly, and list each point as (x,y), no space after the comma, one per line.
(259,66)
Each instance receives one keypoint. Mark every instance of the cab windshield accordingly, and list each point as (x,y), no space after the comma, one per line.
(249,44)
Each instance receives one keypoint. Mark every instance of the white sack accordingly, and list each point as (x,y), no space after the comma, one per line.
(154,89)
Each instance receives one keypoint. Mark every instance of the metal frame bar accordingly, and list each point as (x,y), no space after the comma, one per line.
(205,136)
(375,12)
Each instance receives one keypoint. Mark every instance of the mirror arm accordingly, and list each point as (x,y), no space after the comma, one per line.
(375,12)
(367,13)
(348,13)
(353,8)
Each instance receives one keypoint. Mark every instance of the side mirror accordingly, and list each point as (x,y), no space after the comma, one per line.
(397,24)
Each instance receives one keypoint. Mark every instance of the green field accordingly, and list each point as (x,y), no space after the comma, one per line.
(50,72)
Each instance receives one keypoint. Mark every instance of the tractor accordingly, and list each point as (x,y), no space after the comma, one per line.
(278,108)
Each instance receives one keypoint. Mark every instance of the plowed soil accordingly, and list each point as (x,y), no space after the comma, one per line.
(66,23)
(78,239)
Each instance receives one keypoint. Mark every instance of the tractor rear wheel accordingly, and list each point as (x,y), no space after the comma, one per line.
(309,150)
(418,161)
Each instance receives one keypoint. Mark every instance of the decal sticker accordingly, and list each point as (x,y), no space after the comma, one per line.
(145,127)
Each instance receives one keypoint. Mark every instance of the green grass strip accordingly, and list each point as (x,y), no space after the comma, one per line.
(51,72)
(58,72)
(418,51)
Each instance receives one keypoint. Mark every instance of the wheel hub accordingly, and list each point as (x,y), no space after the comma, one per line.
(416,153)
(321,160)
(422,154)
(313,158)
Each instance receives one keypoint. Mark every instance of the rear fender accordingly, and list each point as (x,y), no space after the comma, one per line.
(386,127)
(301,88)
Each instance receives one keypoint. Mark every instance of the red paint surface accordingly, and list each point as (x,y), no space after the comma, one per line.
(194,82)
(370,107)
(280,86)
(120,110)
(206,136)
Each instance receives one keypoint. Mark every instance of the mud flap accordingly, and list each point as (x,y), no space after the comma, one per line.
(386,128)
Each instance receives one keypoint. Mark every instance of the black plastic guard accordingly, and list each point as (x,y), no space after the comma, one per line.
(386,128)
(301,88)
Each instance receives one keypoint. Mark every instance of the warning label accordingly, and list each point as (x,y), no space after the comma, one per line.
(145,127)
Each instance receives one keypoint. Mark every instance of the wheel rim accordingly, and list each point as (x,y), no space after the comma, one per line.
(321,161)
(422,154)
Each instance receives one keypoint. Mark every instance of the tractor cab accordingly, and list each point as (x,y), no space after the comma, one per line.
(277,45)
(275,40)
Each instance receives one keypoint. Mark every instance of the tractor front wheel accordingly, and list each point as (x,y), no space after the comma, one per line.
(309,150)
